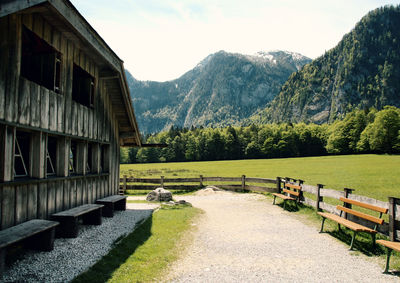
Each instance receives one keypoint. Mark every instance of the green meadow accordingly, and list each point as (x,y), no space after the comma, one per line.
(376,176)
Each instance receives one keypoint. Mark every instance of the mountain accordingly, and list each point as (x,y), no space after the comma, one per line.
(362,71)
(223,89)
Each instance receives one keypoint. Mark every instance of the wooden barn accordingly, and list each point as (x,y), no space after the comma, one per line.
(65,110)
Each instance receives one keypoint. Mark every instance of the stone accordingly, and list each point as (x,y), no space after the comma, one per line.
(159,194)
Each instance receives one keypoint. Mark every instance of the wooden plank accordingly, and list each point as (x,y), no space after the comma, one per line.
(309,202)
(44,108)
(42,201)
(68,87)
(38,25)
(260,180)
(67,194)
(56,39)
(27,20)
(52,111)
(309,189)
(85,124)
(73,191)
(366,205)
(84,192)
(169,187)
(8,207)
(329,208)
(296,187)
(222,179)
(181,180)
(21,209)
(51,198)
(24,102)
(60,113)
(382,228)
(79,210)
(371,203)
(47,32)
(74,118)
(24,230)
(80,120)
(79,192)
(360,214)
(3,67)
(59,196)
(291,192)
(90,121)
(32,201)
(6,153)
(331,193)
(35,104)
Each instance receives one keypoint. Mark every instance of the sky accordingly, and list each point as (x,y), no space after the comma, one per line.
(160,40)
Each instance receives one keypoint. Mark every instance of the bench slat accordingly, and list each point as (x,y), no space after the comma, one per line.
(297,187)
(283,196)
(291,192)
(365,205)
(113,198)
(362,215)
(391,245)
(24,230)
(349,224)
(78,211)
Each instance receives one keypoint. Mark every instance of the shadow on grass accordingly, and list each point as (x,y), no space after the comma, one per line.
(290,206)
(121,251)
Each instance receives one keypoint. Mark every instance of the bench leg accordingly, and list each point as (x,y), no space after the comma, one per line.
(373,240)
(120,205)
(352,240)
(108,210)
(43,241)
(93,218)
(274,200)
(389,252)
(322,226)
(340,228)
(2,261)
(68,227)
(284,203)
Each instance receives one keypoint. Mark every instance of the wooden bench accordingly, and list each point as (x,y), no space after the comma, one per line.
(390,247)
(39,234)
(352,225)
(69,219)
(111,203)
(293,192)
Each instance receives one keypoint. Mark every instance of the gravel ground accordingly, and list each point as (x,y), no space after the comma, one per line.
(243,239)
(70,257)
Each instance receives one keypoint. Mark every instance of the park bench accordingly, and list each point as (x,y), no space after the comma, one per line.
(37,233)
(390,247)
(293,192)
(346,208)
(69,219)
(111,203)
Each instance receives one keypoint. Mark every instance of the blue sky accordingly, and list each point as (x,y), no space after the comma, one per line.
(162,39)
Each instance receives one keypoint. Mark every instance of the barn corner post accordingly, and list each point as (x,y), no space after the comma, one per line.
(392,218)
(319,197)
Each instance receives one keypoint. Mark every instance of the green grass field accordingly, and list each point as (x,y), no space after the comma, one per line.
(376,176)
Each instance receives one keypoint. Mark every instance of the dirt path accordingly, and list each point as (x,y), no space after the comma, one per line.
(243,238)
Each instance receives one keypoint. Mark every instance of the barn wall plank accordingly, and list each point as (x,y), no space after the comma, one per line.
(42,201)
(67,195)
(21,209)
(51,198)
(32,201)
(52,111)
(59,196)
(35,105)
(8,207)
(3,67)
(73,200)
(44,108)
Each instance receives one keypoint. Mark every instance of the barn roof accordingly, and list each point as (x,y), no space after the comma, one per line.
(66,18)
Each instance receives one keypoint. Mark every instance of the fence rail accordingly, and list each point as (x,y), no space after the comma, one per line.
(392,228)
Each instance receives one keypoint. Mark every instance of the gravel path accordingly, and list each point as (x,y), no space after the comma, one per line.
(70,257)
(243,239)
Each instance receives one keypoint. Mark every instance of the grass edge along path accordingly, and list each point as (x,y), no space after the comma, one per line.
(146,254)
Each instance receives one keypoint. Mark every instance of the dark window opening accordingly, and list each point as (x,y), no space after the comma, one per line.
(51,155)
(89,162)
(72,158)
(40,62)
(21,154)
(82,87)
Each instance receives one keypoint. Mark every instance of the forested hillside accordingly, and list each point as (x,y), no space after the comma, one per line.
(361,131)
(362,71)
(222,90)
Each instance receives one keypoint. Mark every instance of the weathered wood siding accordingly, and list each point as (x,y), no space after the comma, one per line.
(28,106)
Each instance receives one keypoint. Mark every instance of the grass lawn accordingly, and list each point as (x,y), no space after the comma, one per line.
(145,254)
(376,176)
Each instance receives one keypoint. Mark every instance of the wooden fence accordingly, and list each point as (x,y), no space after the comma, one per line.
(312,195)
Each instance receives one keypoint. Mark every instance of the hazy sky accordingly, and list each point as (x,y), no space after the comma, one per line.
(162,39)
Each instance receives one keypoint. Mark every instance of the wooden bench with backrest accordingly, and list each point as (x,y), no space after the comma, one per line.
(69,219)
(352,225)
(37,233)
(111,203)
(289,192)
(390,247)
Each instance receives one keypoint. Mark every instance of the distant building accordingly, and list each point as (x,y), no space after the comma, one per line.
(65,109)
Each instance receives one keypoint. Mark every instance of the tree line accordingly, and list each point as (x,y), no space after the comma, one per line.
(361,131)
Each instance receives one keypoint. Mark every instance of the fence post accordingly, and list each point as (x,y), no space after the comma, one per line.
(347,192)
(243,182)
(392,218)
(162,182)
(319,198)
(201,181)
(124,187)
(278,184)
